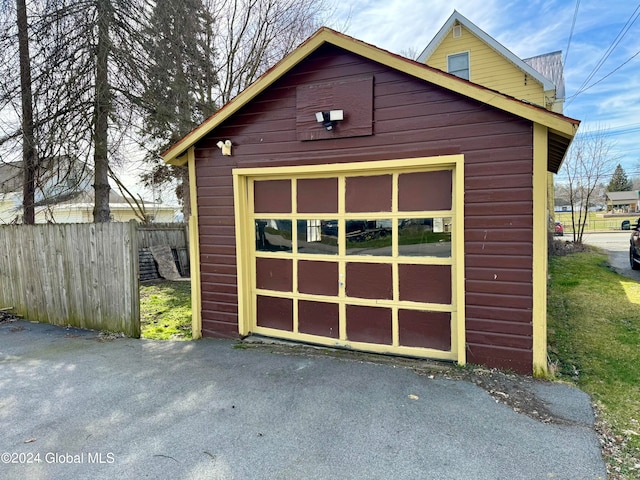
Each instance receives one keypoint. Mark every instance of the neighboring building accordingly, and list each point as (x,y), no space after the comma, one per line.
(64,195)
(463,49)
(562,208)
(623,202)
(414,226)
(79,209)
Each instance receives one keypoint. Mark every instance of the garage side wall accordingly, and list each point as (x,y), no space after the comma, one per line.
(410,119)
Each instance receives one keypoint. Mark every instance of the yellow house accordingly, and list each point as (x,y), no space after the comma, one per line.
(79,209)
(64,196)
(463,49)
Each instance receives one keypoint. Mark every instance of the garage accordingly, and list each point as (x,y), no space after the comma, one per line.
(357,199)
(359,257)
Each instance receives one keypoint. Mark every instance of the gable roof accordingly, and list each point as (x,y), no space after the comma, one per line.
(457,18)
(630,196)
(562,129)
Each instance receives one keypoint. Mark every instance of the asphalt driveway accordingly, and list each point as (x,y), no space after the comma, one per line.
(616,243)
(77,405)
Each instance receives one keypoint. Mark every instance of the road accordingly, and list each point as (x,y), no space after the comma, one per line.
(617,245)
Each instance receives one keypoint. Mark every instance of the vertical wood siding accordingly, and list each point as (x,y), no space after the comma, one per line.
(83,275)
(411,119)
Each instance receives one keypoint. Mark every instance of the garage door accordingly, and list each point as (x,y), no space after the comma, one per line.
(362,256)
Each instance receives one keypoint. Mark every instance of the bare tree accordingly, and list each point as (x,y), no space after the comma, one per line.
(29,163)
(410,52)
(86,65)
(589,161)
(201,61)
(253,35)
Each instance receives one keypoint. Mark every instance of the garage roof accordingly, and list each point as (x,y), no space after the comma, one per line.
(561,129)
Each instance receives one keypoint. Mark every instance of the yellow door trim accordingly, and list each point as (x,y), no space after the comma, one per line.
(194,250)
(245,249)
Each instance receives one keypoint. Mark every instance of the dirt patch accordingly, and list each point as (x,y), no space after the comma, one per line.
(7,318)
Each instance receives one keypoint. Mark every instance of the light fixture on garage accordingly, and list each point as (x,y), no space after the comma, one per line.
(329,119)
(225,147)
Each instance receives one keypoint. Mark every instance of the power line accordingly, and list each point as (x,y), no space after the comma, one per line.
(573,24)
(564,177)
(607,53)
(611,72)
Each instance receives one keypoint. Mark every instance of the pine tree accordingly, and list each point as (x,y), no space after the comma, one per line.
(619,181)
(178,85)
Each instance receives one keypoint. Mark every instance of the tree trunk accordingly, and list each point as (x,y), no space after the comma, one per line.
(29,163)
(101,211)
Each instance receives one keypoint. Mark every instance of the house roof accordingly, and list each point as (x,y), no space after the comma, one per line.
(457,18)
(631,196)
(10,177)
(550,65)
(561,129)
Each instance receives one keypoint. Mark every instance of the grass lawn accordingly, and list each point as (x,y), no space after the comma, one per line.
(165,310)
(594,342)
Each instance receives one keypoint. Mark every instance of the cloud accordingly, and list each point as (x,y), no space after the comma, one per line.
(401,25)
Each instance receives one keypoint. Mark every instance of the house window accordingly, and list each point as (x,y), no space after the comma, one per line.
(458,65)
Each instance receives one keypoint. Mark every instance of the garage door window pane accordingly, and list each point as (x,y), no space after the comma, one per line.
(318,195)
(318,236)
(369,194)
(369,237)
(272,196)
(425,191)
(425,237)
(273,235)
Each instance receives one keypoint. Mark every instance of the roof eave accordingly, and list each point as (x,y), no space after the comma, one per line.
(564,126)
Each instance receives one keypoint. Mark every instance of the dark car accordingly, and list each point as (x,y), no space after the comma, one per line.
(634,246)
(559,230)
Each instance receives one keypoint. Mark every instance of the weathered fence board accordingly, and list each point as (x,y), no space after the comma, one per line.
(84,275)
(173,234)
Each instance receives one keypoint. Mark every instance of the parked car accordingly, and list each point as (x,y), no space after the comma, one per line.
(559,230)
(634,247)
(626,225)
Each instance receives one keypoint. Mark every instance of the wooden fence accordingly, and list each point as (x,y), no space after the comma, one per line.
(85,275)
(173,234)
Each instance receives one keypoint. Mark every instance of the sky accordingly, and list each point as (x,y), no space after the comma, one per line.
(598,41)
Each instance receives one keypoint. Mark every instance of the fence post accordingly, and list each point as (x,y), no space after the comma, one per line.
(186,236)
(134,279)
